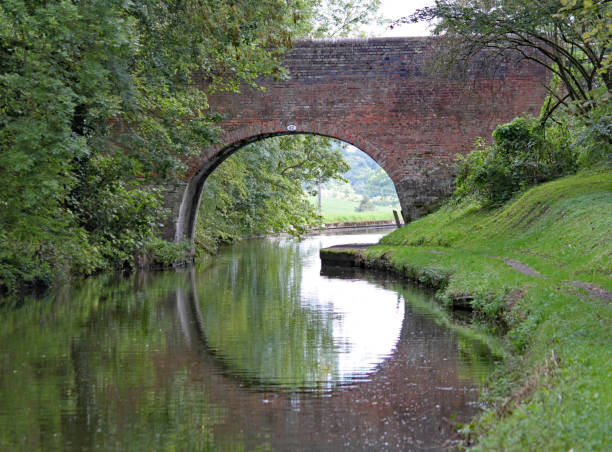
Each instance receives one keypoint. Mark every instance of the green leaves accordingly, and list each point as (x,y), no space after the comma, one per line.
(95,100)
(260,189)
(100,98)
(524,154)
(571,39)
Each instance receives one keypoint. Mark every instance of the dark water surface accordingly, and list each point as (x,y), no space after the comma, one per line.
(255,350)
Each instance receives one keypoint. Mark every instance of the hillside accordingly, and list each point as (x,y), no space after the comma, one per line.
(539,270)
(367,183)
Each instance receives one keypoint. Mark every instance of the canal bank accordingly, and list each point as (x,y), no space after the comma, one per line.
(538,271)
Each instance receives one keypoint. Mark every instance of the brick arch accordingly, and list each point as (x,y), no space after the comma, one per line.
(379,95)
(201,168)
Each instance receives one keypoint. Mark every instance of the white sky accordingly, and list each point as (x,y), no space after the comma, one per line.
(368,319)
(395,9)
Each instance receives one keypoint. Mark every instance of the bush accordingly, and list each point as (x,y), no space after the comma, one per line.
(594,138)
(118,218)
(524,154)
(157,252)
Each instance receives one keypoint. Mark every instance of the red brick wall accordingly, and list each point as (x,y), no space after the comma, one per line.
(377,95)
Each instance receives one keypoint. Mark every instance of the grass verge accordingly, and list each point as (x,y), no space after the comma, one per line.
(539,270)
(335,209)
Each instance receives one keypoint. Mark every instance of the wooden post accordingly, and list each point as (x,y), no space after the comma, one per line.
(397,220)
(319,196)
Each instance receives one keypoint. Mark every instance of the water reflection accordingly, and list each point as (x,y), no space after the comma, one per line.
(275,320)
(166,361)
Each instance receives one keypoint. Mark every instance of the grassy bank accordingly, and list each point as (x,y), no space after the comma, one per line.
(538,269)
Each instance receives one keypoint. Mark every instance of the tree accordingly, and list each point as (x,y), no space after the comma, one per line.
(88,84)
(570,38)
(260,189)
(340,18)
(365,204)
(106,85)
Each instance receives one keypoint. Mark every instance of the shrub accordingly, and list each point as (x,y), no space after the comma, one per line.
(365,204)
(593,141)
(119,218)
(157,252)
(524,154)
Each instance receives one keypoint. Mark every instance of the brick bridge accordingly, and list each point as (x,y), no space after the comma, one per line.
(377,95)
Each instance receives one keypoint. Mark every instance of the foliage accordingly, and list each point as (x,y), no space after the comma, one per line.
(340,18)
(259,190)
(159,252)
(570,38)
(117,218)
(97,104)
(524,154)
(364,175)
(365,204)
(104,86)
(380,184)
(593,137)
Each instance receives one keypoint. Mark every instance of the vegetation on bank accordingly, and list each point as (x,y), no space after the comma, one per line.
(538,269)
(97,109)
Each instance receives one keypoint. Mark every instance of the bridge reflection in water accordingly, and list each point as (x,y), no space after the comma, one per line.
(404,401)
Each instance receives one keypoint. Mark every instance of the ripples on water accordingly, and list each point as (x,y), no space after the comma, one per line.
(254,351)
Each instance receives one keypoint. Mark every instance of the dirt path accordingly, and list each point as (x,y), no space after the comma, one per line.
(522,268)
(593,289)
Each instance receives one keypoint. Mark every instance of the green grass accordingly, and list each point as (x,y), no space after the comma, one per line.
(335,210)
(554,391)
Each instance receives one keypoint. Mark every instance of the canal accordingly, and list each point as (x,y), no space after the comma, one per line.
(252,350)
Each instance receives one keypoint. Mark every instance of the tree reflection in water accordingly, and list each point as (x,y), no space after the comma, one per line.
(197,360)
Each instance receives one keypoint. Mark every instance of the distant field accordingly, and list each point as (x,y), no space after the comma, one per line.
(334,209)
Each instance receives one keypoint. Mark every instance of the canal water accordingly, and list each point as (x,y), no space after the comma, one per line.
(254,350)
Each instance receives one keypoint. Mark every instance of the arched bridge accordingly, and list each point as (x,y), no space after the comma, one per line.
(378,95)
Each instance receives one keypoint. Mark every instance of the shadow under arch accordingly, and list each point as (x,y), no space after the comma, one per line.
(190,203)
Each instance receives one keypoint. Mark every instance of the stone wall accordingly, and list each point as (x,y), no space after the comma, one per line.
(378,95)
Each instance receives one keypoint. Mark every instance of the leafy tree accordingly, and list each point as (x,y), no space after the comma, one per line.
(85,85)
(339,18)
(97,103)
(259,189)
(365,204)
(570,38)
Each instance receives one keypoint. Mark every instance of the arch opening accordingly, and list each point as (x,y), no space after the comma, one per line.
(186,219)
